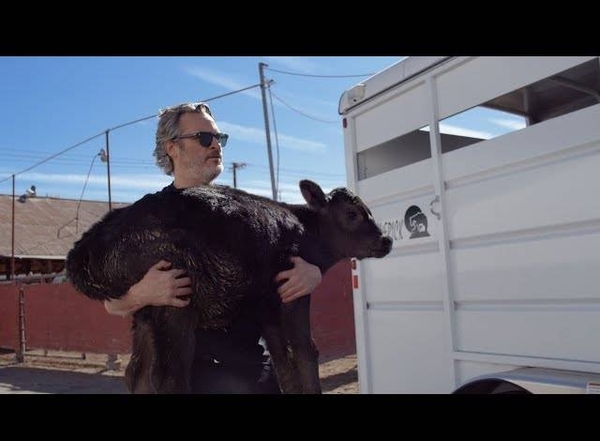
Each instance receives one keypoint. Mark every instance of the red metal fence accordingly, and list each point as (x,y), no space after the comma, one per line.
(54,316)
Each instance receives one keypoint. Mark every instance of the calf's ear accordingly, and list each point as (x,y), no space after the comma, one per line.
(313,194)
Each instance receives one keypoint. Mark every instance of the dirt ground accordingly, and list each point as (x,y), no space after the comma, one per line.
(75,373)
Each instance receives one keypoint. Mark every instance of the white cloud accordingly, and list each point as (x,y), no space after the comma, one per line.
(297,64)
(289,191)
(230,84)
(449,129)
(319,109)
(286,193)
(512,124)
(257,136)
(240,133)
(223,80)
(461,131)
(506,123)
(251,134)
(142,181)
(130,188)
(70,186)
(294,143)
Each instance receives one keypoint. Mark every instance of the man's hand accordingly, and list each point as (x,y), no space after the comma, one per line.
(301,280)
(161,286)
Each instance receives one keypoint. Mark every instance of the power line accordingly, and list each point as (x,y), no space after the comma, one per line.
(53,156)
(76,218)
(83,191)
(289,172)
(205,101)
(302,113)
(320,76)
(142,164)
(105,132)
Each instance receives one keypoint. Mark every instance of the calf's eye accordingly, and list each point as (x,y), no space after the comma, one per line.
(352,215)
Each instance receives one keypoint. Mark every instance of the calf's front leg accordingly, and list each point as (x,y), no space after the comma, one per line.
(296,324)
(285,368)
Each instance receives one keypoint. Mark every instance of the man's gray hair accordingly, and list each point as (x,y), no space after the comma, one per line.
(168,128)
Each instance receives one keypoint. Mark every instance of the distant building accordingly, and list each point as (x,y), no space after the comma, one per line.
(45,229)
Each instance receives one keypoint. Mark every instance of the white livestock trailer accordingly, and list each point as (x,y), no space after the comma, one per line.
(486,172)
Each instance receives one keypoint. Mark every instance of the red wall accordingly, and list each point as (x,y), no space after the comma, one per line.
(59,318)
(76,323)
(9,316)
(332,313)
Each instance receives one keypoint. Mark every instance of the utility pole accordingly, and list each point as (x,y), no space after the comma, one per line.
(12,256)
(234,167)
(105,157)
(263,85)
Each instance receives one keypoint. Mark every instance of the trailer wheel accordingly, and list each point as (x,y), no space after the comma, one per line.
(491,387)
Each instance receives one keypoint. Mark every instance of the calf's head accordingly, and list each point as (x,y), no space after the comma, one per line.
(346,223)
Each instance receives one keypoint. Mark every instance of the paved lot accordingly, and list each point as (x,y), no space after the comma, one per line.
(59,374)
(22,380)
(71,374)
(64,374)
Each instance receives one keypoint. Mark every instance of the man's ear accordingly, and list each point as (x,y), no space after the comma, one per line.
(171,148)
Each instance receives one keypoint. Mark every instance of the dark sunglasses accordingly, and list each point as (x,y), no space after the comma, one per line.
(205,138)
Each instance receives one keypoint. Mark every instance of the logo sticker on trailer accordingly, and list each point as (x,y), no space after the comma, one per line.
(409,223)
(415,222)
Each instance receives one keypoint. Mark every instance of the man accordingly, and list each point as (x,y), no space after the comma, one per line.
(189,148)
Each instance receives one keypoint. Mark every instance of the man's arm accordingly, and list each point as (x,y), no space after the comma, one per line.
(161,286)
(302,279)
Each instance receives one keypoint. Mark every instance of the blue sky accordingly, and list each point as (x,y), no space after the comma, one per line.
(53,104)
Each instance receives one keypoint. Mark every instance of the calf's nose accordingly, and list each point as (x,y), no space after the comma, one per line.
(386,243)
